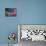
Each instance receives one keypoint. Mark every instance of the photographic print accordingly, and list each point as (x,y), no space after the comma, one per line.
(10,11)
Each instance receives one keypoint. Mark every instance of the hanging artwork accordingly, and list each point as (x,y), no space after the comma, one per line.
(10,11)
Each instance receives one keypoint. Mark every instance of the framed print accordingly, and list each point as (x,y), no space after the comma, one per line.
(10,12)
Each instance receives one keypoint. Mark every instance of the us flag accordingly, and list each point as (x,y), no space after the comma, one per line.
(10,11)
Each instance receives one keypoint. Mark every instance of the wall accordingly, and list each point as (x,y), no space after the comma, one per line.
(33,12)
(7,24)
(28,12)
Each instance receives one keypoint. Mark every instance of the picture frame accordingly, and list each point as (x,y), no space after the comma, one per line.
(10,12)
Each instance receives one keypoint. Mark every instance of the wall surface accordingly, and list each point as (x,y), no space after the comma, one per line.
(28,12)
